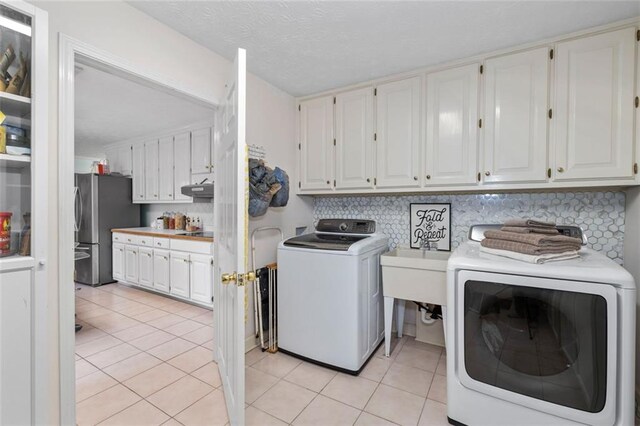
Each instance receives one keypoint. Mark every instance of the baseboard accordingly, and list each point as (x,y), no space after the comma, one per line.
(249,343)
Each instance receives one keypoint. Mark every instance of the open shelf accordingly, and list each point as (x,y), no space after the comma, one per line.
(8,161)
(14,105)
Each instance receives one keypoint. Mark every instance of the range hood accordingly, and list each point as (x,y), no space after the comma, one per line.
(199,190)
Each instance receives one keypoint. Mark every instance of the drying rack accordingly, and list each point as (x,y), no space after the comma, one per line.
(269,342)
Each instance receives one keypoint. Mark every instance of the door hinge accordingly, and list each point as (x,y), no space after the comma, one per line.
(635,168)
(551,54)
(479,176)
(334,100)
(481,69)
(299,184)
(299,108)
(637,101)
(480,123)
(549,172)
(375,92)
(550,113)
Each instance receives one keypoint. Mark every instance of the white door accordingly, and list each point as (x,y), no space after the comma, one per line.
(181,164)
(201,151)
(398,134)
(138,173)
(201,278)
(316,143)
(515,108)
(451,155)
(145,266)
(230,257)
(118,262)
(151,171)
(593,117)
(125,160)
(179,273)
(165,169)
(161,268)
(354,139)
(131,264)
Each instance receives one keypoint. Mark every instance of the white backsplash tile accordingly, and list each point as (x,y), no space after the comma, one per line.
(600,214)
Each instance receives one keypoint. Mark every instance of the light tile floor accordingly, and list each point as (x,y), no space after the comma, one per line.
(146,359)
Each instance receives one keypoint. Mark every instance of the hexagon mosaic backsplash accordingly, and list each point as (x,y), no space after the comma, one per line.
(600,214)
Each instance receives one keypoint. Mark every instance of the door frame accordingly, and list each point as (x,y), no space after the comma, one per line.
(69,50)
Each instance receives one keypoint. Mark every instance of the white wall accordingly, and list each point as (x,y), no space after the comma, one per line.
(631,257)
(147,44)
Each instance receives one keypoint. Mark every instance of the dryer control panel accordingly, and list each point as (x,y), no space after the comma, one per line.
(346,226)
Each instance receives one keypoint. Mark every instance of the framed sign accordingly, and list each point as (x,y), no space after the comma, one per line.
(431,222)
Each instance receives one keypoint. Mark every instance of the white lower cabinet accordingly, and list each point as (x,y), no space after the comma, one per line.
(118,261)
(201,277)
(145,269)
(131,264)
(161,270)
(179,272)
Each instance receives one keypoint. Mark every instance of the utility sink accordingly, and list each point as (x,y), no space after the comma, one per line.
(416,259)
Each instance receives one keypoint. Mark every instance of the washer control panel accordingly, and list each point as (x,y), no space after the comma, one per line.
(346,226)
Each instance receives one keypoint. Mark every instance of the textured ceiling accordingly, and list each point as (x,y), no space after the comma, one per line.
(109,108)
(304,47)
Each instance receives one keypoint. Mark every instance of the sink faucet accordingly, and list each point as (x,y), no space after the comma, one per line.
(429,243)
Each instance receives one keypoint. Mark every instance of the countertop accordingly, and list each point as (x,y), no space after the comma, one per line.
(161,233)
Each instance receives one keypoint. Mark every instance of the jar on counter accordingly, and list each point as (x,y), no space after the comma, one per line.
(172,221)
(180,221)
(165,220)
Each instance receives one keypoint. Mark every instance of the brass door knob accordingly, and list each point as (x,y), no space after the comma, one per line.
(560,169)
(250,276)
(229,278)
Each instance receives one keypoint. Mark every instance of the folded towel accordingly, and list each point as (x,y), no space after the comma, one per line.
(539,259)
(540,240)
(527,248)
(530,230)
(529,222)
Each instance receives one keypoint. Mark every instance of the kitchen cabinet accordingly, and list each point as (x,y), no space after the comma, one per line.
(151,187)
(161,270)
(451,151)
(201,277)
(181,165)
(316,143)
(398,134)
(145,266)
(354,139)
(120,159)
(138,173)
(593,116)
(165,169)
(515,108)
(118,261)
(131,264)
(201,150)
(179,272)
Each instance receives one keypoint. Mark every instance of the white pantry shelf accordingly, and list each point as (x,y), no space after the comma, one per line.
(8,161)
(15,105)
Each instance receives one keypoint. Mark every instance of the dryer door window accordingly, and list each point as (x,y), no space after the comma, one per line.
(544,343)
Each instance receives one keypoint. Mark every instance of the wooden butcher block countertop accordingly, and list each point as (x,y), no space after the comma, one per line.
(161,233)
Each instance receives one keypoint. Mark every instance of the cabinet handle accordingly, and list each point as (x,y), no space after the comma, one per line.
(328,183)
(415,178)
(165,257)
(368,180)
(428,176)
(560,169)
(128,239)
(170,195)
(144,242)
(487,173)
(185,260)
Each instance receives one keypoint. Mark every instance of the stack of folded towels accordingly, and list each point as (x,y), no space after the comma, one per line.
(530,240)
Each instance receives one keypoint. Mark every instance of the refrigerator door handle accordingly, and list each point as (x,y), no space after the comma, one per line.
(75,205)
(79,220)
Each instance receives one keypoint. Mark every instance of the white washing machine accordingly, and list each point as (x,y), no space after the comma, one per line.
(330,307)
(550,344)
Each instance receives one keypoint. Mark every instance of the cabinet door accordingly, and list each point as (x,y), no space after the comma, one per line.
(515,109)
(201,278)
(451,154)
(125,160)
(354,139)
(145,269)
(131,264)
(182,164)
(201,151)
(179,272)
(398,134)
(316,143)
(151,187)
(118,262)
(593,118)
(165,169)
(138,173)
(161,268)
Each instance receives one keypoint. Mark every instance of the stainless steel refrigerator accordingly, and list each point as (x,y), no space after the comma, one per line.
(102,202)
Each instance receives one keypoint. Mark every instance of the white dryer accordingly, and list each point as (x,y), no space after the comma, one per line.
(330,307)
(550,344)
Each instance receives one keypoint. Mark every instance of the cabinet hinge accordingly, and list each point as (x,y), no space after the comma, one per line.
(551,54)
(479,177)
(375,136)
(334,141)
(299,147)
(375,181)
(375,92)
(638,35)
(637,101)
(334,183)
(299,184)
(480,123)
(211,262)
(299,108)
(481,69)
(550,113)
(334,100)
(635,168)
(549,172)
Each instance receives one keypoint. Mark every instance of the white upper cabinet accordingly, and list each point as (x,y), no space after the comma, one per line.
(182,164)
(398,134)
(515,124)
(451,153)
(165,169)
(138,173)
(354,139)
(125,160)
(201,148)
(316,143)
(593,115)
(151,187)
